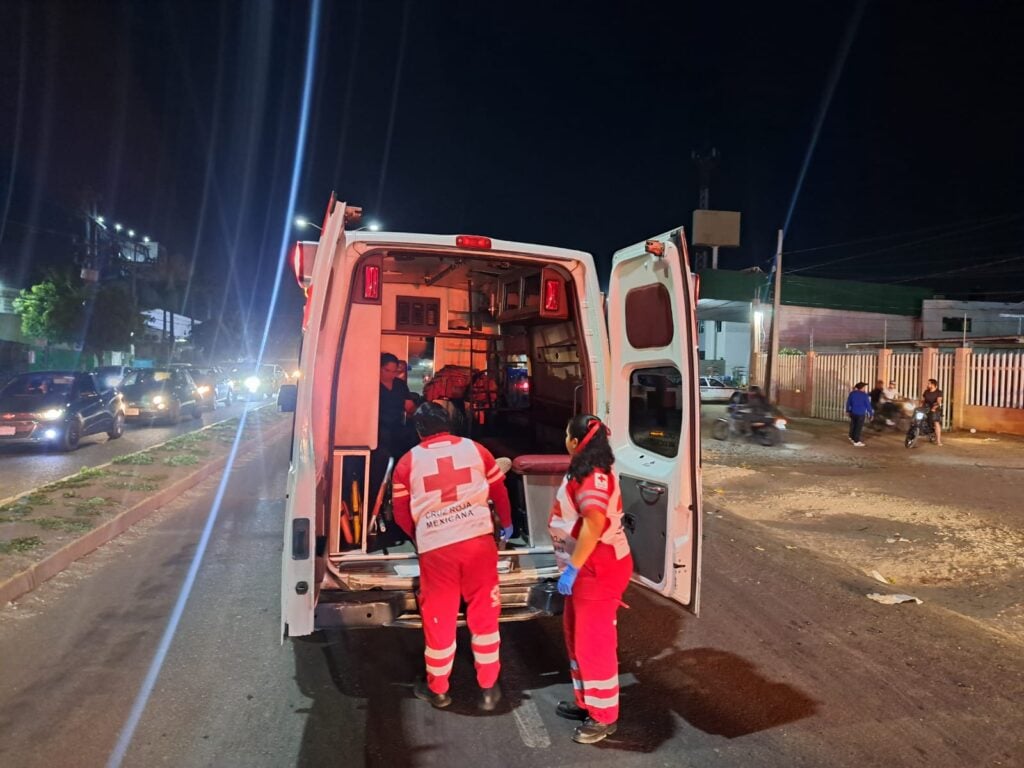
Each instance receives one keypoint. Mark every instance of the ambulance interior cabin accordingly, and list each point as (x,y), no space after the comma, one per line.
(497,342)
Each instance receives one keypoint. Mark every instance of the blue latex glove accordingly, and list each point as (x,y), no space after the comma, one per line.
(567,579)
(506,533)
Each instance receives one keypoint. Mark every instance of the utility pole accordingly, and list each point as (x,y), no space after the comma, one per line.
(773,347)
(706,162)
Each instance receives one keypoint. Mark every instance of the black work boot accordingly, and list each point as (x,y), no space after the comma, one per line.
(489,698)
(570,710)
(437,700)
(592,731)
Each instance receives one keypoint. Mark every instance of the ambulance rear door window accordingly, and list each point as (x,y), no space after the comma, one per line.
(656,409)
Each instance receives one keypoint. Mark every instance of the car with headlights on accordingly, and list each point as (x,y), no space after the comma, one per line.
(110,376)
(58,408)
(161,394)
(257,382)
(213,383)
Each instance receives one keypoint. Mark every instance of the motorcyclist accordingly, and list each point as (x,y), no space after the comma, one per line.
(751,406)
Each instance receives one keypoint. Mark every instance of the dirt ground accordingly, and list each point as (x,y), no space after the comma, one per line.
(944,524)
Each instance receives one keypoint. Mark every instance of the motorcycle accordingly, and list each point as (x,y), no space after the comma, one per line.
(895,415)
(920,426)
(767,430)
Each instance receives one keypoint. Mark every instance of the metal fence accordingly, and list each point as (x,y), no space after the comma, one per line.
(834,377)
(792,372)
(996,379)
(905,370)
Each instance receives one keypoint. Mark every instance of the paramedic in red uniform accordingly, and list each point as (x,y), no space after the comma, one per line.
(593,554)
(440,492)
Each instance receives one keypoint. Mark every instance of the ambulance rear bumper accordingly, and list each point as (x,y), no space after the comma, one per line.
(380,608)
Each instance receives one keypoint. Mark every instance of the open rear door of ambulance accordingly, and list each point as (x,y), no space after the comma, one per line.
(655,413)
(311,444)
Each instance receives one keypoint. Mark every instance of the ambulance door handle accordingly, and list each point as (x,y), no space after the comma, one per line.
(575,393)
(650,489)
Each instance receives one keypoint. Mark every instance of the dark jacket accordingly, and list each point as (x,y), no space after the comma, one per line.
(859,403)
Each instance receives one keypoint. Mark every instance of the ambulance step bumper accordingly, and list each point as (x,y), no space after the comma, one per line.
(379,608)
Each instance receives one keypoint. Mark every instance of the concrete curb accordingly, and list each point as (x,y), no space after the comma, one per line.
(24,582)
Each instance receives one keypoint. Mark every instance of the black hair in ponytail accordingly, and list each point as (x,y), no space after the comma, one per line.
(596,454)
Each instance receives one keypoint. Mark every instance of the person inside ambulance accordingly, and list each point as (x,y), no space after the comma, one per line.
(593,554)
(394,435)
(440,493)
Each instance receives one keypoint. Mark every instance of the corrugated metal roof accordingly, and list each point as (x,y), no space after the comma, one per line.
(797,290)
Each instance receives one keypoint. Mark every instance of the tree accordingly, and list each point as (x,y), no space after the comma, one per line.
(62,309)
(52,309)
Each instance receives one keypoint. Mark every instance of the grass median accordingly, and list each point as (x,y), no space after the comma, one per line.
(40,522)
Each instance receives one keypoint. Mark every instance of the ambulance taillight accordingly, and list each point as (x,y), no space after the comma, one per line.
(297,265)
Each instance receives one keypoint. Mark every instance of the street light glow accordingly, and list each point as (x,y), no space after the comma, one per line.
(145,238)
(118,227)
(373,226)
(131,233)
(301,222)
(99,219)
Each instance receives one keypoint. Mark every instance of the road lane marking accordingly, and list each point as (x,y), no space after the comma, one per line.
(531,727)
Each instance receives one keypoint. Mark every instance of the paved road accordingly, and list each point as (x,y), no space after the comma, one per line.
(789,666)
(24,468)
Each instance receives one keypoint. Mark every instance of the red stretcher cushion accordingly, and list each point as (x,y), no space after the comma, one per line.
(541,464)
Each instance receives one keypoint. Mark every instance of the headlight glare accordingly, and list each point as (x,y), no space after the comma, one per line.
(50,414)
(252,383)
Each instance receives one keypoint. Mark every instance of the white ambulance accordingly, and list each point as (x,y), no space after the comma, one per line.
(529,321)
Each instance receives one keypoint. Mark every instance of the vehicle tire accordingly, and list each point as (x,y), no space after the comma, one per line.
(768,436)
(911,439)
(72,436)
(197,411)
(174,413)
(230,398)
(720,431)
(118,427)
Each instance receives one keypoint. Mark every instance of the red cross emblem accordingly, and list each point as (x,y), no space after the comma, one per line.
(448,479)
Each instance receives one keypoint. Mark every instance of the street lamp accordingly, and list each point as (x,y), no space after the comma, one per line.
(145,238)
(118,227)
(100,219)
(131,233)
(302,222)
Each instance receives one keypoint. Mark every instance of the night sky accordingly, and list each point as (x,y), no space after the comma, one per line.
(563,123)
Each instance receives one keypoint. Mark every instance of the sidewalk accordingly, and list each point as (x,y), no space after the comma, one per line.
(942,524)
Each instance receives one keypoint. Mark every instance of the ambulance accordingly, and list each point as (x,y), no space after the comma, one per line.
(529,320)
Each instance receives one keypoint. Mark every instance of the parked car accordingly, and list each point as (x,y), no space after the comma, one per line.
(714,390)
(161,394)
(214,384)
(58,408)
(110,376)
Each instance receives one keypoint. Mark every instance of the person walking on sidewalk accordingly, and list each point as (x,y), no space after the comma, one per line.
(593,554)
(440,492)
(858,407)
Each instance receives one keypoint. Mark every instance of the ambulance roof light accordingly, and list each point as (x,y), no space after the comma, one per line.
(473,241)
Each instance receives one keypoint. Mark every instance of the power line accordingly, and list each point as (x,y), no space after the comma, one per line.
(887,249)
(908,233)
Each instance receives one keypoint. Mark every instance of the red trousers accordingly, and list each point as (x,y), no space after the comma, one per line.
(468,570)
(591,632)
